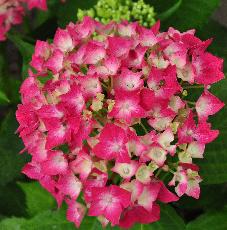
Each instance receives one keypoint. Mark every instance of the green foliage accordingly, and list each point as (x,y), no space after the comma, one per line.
(26,50)
(189,14)
(37,198)
(210,221)
(169,220)
(39,204)
(12,200)
(67,12)
(9,87)
(13,223)
(212,197)
(45,220)
(170,11)
(117,10)
(3,98)
(10,146)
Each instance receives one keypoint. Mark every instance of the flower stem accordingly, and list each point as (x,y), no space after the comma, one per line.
(190,102)
(144,128)
(104,86)
(157,174)
(170,170)
(97,118)
(193,86)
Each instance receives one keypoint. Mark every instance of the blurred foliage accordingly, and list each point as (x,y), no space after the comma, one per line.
(26,205)
(10,146)
(189,14)
(210,221)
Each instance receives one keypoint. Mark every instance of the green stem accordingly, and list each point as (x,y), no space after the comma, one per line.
(144,128)
(193,87)
(157,174)
(164,176)
(170,170)
(97,118)
(190,102)
(105,86)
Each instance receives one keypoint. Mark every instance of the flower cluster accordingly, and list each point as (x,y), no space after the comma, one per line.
(106,117)
(117,10)
(12,12)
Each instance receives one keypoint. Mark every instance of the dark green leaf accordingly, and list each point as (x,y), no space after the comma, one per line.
(9,86)
(211,197)
(210,221)
(169,220)
(45,220)
(3,98)
(10,145)
(170,11)
(37,198)
(68,12)
(43,80)
(190,14)
(26,49)
(12,200)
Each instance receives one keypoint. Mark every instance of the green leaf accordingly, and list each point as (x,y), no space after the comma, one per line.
(212,197)
(37,198)
(68,11)
(169,220)
(12,200)
(13,223)
(9,86)
(3,98)
(190,14)
(43,80)
(213,168)
(45,220)
(92,223)
(56,220)
(170,11)
(210,221)
(10,146)
(26,49)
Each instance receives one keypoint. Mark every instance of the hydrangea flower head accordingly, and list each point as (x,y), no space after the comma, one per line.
(105,116)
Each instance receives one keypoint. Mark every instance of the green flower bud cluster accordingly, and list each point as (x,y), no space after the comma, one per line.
(117,10)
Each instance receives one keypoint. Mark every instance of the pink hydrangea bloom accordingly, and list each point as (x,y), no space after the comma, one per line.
(113,113)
